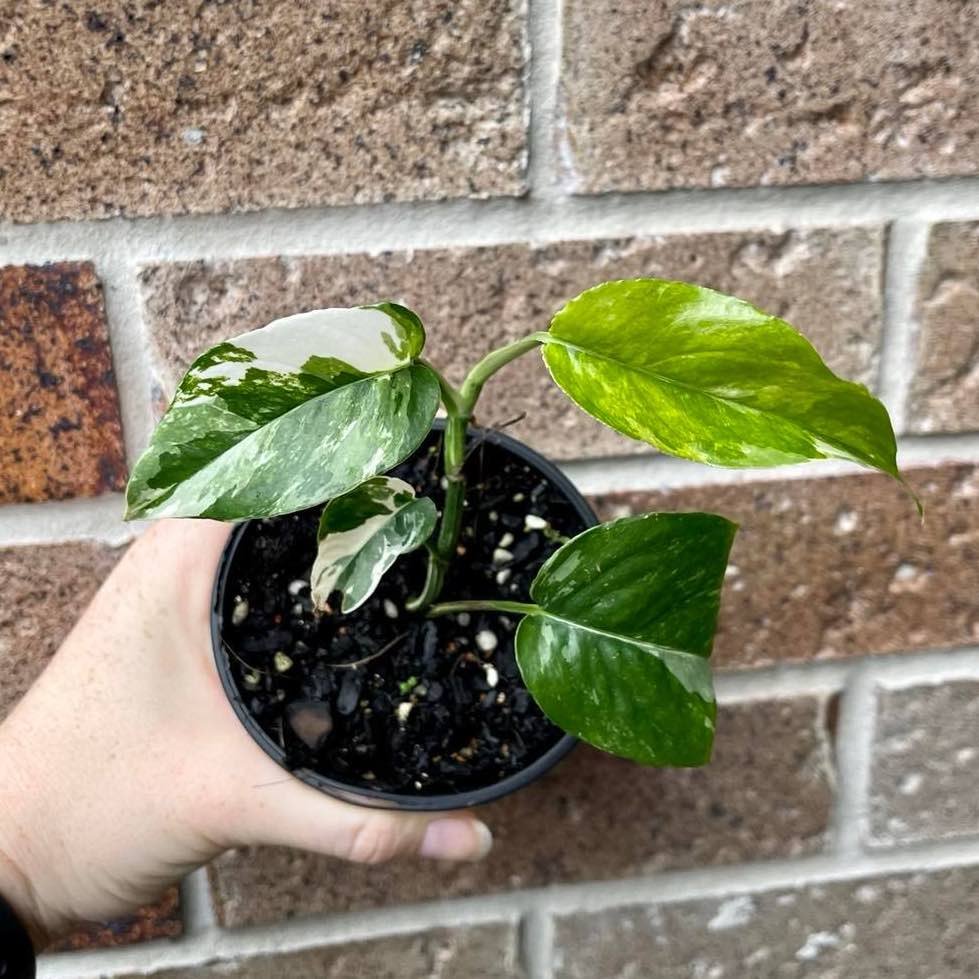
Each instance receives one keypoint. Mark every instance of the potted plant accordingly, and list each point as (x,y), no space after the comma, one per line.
(424,614)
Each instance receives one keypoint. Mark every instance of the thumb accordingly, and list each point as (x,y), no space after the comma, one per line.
(290,813)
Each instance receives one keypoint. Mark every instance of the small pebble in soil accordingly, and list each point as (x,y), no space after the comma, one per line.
(311,722)
(349,692)
(502,577)
(464,618)
(507,539)
(240,612)
(390,609)
(534,522)
(282,661)
(518,497)
(492,676)
(252,679)
(501,555)
(296,586)
(486,640)
(403,710)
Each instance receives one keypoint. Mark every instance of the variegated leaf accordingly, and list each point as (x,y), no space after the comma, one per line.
(362,533)
(708,377)
(616,649)
(289,415)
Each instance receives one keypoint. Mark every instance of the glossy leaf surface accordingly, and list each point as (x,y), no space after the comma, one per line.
(617,651)
(362,533)
(289,415)
(708,377)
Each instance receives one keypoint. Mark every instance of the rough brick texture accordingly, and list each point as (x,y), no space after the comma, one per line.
(925,780)
(915,925)
(664,93)
(121,108)
(44,590)
(460,953)
(473,300)
(840,566)
(160,920)
(766,794)
(60,432)
(945,391)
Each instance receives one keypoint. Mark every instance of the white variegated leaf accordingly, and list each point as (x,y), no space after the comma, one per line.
(287,416)
(362,533)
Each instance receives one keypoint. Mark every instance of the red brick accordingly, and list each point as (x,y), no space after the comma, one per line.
(160,920)
(60,431)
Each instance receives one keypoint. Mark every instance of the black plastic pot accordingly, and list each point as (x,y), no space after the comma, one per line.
(382,799)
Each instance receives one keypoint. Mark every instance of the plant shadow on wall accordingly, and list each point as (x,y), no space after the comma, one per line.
(426,637)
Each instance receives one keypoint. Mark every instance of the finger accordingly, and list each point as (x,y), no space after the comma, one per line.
(292,814)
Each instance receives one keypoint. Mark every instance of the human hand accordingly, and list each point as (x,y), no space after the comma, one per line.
(124,767)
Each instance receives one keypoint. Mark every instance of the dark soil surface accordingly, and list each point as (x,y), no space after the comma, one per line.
(443,709)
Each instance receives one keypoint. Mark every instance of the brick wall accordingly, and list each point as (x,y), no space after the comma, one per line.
(170,174)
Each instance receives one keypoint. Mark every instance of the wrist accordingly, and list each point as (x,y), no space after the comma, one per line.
(18,883)
(16,892)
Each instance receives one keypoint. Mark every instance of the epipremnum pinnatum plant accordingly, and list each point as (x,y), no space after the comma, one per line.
(615,643)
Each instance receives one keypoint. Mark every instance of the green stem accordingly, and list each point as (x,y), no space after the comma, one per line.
(482,605)
(491,363)
(440,553)
(459,406)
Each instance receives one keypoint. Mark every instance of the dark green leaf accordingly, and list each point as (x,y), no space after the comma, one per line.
(287,416)
(362,533)
(617,650)
(708,377)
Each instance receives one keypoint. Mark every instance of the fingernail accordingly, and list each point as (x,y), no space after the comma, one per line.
(456,839)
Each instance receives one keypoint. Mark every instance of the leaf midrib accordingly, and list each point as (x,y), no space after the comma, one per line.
(663,653)
(730,402)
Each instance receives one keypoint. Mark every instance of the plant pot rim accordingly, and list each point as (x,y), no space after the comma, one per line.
(380,799)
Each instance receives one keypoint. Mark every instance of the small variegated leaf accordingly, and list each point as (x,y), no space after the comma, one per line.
(616,649)
(362,533)
(289,415)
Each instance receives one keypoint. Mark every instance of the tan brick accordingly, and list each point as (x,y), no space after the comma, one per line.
(912,925)
(188,107)
(840,566)
(487,952)
(44,591)
(925,776)
(766,794)
(60,432)
(945,391)
(473,300)
(664,93)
